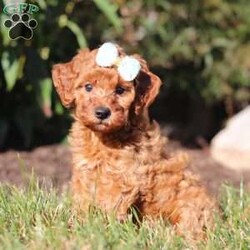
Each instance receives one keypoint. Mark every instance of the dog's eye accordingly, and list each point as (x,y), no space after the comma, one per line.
(119,90)
(88,87)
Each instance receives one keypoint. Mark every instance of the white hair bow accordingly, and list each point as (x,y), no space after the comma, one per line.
(108,55)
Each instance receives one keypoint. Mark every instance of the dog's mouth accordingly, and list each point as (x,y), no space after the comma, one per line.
(100,126)
(104,126)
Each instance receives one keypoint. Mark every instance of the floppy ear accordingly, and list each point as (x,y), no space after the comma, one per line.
(147,87)
(64,76)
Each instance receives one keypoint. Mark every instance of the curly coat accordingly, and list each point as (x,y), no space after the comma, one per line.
(123,161)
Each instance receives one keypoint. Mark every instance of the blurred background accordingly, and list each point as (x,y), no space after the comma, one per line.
(200,49)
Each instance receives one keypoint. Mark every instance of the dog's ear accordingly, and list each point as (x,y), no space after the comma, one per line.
(147,86)
(64,76)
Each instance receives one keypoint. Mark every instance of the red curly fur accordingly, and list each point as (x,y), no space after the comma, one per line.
(123,162)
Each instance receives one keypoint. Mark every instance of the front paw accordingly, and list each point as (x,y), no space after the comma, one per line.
(122,217)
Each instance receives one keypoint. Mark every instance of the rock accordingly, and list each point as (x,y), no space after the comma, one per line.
(231,146)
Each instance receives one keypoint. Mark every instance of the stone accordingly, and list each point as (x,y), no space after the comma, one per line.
(231,146)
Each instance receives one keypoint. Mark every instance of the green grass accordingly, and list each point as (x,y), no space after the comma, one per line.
(36,218)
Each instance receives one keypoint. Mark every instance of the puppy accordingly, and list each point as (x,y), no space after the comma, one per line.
(120,158)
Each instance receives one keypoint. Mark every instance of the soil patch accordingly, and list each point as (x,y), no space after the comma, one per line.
(51,164)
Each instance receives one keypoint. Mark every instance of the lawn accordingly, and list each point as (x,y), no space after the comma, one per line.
(39,218)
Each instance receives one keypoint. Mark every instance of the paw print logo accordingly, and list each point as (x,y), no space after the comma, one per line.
(20,26)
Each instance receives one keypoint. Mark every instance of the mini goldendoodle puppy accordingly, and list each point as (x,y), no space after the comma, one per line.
(120,158)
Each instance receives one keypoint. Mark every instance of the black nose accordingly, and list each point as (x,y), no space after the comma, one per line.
(102,113)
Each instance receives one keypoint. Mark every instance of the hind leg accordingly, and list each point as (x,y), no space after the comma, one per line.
(192,212)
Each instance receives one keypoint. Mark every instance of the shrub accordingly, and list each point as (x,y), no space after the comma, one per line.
(200,48)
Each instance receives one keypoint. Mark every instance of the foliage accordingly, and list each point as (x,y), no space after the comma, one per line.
(197,47)
(36,218)
(29,108)
(204,45)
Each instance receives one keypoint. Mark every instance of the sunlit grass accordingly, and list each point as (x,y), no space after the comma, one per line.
(38,218)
